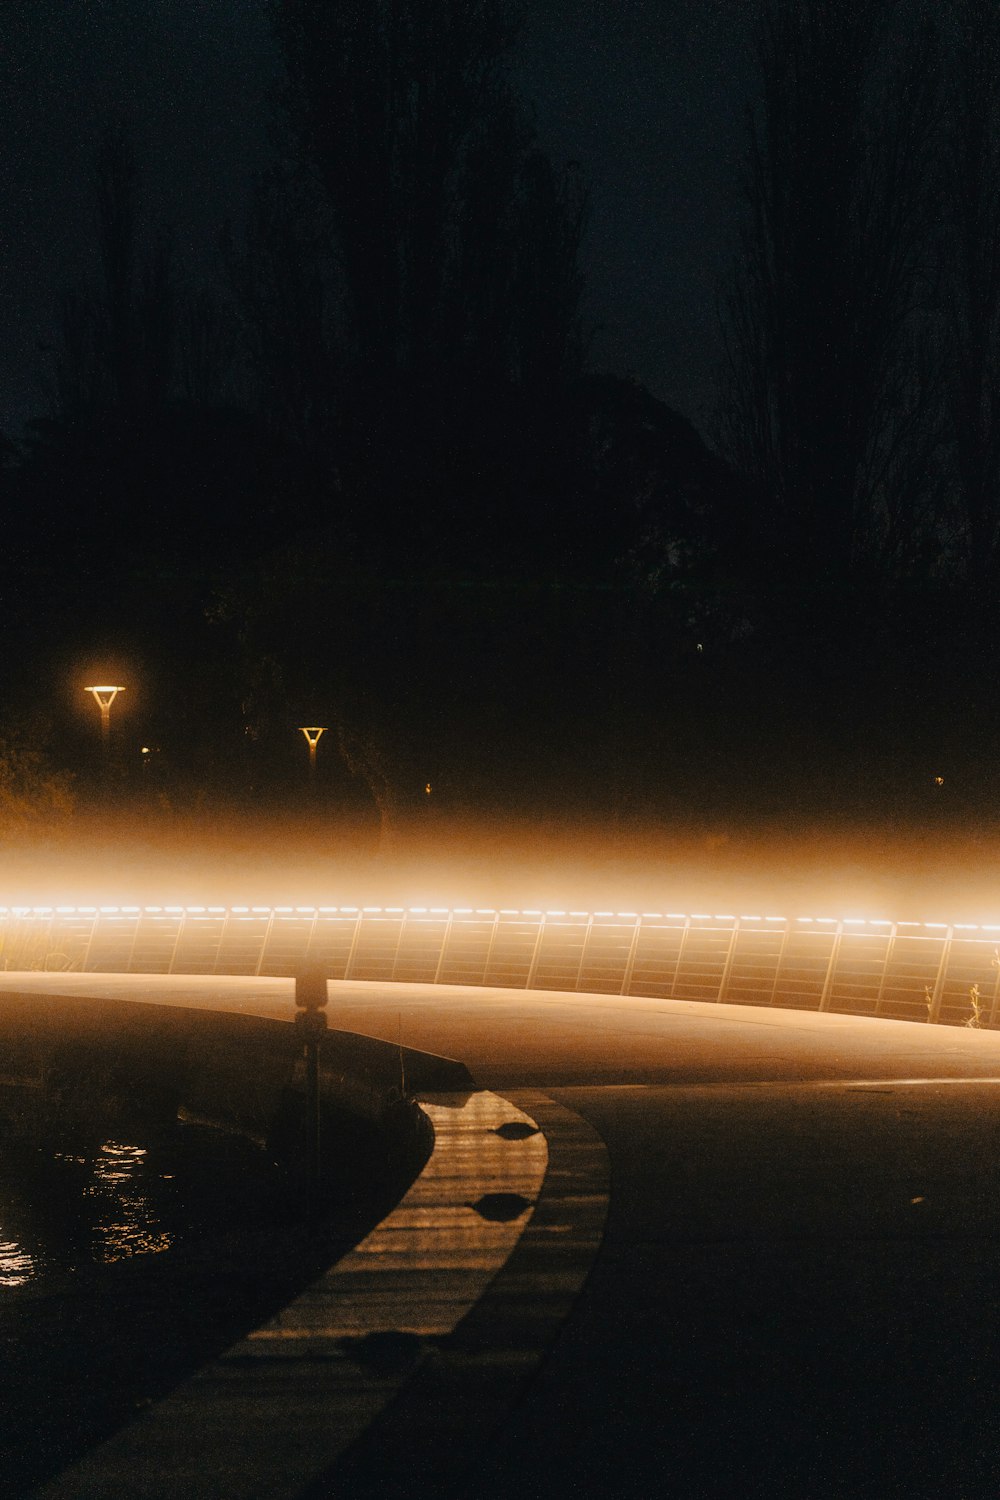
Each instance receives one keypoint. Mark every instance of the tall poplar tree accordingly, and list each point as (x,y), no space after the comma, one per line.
(446,247)
(830,400)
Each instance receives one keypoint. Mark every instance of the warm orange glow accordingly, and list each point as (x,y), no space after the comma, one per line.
(325,856)
(64,909)
(909,970)
(104,696)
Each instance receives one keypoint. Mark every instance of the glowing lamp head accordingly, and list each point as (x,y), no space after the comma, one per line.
(104,695)
(312,733)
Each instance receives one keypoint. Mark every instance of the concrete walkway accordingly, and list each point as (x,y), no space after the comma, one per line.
(796,1293)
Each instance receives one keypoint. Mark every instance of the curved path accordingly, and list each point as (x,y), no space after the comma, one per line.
(796,1293)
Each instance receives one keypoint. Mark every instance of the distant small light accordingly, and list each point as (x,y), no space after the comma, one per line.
(699,647)
(146,750)
(939,781)
(427,789)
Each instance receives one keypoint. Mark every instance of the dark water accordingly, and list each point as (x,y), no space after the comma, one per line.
(66,1212)
(125,1264)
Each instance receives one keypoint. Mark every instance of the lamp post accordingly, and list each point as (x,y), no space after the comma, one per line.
(312,734)
(104,697)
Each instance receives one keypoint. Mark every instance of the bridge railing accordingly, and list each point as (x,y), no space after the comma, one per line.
(908,970)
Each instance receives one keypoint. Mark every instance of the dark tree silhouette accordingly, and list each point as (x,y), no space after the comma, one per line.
(148,448)
(829,399)
(116,332)
(971,301)
(428,287)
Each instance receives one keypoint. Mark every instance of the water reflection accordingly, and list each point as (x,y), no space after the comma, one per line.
(16,1265)
(127,1223)
(67,1209)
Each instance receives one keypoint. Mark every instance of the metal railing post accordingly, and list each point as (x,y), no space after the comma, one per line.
(779,961)
(934,1009)
(630,960)
(680,954)
(727,967)
(444,943)
(533,966)
(827,991)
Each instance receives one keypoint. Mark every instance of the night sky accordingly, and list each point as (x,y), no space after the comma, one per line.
(646,94)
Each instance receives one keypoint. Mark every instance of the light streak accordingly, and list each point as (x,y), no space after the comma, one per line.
(65,909)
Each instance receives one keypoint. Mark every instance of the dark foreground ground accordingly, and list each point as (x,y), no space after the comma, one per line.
(797,1295)
(797,1291)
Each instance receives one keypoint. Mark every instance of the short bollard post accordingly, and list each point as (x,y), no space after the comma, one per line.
(310,1019)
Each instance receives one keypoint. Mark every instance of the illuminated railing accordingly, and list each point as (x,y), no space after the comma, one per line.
(909,970)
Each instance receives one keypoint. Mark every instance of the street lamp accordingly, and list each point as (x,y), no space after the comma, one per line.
(312,734)
(104,697)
